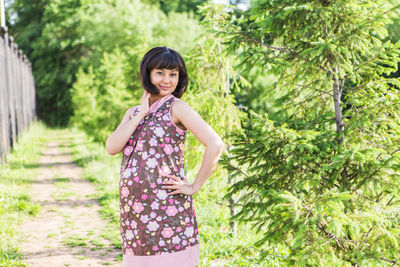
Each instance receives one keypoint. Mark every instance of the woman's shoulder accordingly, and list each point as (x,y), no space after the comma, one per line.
(180,107)
(180,102)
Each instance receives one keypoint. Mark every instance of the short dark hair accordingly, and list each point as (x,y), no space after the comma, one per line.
(163,57)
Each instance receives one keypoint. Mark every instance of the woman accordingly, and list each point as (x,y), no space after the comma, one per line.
(158,219)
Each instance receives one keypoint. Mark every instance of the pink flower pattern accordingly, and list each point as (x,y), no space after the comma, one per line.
(153,222)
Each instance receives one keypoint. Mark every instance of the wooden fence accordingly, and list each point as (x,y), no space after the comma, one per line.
(17,93)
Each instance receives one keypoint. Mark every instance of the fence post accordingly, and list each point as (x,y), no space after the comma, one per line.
(11,86)
(4,114)
(17,91)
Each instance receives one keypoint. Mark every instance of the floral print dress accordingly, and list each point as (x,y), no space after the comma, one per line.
(157,229)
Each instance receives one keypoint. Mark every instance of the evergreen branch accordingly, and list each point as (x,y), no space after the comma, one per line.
(307,86)
(393,262)
(349,187)
(383,51)
(322,228)
(370,19)
(366,62)
(394,152)
(387,204)
(286,50)
(337,239)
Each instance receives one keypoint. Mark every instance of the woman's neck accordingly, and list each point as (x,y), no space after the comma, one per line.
(154,98)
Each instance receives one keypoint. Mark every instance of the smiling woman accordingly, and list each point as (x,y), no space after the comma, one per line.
(164,79)
(158,218)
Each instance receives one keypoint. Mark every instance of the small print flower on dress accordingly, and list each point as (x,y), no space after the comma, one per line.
(189,231)
(145,155)
(171,210)
(144,218)
(137,207)
(162,194)
(159,131)
(167,232)
(155,205)
(176,239)
(153,142)
(165,170)
(139,146)
(124,191)
(153,226)
(168,149)
(126,173)
(129,235)
(133,162)
(128,150)
(151,163)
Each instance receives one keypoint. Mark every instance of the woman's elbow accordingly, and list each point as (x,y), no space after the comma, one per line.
(219,144)
(110,150)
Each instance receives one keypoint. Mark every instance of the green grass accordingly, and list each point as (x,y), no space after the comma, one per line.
(15,178)
(63,196)
(218,245)
(75,241)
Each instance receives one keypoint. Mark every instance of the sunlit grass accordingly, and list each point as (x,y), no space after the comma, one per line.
(15,178)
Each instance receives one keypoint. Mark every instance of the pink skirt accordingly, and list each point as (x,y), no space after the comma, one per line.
(185,258)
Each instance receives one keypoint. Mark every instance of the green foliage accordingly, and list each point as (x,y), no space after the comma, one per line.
(394,28)
(330,202)
(47,32)
(61,37)
(108,82)
(292,187)
(177,5)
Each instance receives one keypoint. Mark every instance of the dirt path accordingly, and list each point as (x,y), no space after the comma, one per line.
(68,230)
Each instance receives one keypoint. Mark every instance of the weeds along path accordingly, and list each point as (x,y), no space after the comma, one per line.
(68,230)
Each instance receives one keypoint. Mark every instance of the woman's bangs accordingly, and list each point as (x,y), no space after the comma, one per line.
(165,61)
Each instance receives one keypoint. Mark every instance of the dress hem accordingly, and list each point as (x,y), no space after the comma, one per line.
(188,257)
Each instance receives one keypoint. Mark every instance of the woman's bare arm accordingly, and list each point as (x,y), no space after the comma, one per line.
(117,140)
(207,136)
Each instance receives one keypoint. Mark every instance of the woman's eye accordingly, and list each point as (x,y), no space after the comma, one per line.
(173,74)
(159,72)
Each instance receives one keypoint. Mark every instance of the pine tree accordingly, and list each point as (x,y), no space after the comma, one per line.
(322,178)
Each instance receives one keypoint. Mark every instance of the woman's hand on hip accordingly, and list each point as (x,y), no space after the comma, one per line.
(180,186)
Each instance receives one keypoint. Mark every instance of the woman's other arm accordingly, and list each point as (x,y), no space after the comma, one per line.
(206,135)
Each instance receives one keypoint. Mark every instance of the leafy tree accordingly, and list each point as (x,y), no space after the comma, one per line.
(320,174)
(47,32)
(177,5)
(108,80)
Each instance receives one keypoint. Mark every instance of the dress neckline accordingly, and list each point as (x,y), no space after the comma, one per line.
(158,103)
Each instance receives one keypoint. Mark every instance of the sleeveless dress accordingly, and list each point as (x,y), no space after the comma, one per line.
(157,229)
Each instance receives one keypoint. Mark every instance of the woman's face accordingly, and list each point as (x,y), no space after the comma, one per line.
(165,80)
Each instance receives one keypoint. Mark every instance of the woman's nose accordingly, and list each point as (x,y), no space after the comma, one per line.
(166,79)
